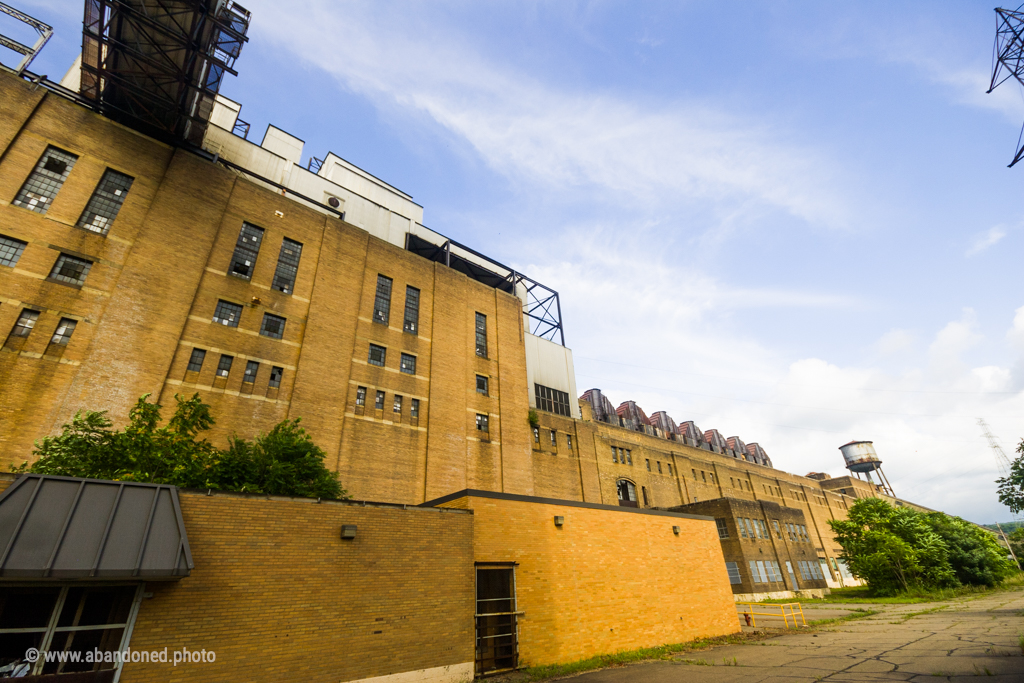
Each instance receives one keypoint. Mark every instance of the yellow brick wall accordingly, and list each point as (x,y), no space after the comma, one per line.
(607,580)
(279,596)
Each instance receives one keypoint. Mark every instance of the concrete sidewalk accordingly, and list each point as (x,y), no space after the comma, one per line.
(957,640)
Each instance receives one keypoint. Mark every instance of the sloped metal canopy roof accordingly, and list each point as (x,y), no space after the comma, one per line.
(69,528)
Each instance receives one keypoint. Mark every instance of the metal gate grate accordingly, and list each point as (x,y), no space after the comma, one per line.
(497,626)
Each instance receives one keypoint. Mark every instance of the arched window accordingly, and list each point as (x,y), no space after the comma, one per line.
(627,493)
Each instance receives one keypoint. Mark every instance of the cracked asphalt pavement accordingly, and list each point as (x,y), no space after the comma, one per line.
(957,640)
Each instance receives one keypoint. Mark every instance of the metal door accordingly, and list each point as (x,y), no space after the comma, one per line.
(497,627)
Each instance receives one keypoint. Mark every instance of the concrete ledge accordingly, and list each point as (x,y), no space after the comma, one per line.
(453,673)
(781,595)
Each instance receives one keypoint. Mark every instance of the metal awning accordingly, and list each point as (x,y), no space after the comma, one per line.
(70,528)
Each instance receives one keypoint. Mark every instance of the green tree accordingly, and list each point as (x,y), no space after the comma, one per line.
(282,462)
(1011,488)
(974,554)
(1016,539)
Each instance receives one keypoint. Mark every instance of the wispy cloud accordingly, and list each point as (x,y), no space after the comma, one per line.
(985,240)
(556,138)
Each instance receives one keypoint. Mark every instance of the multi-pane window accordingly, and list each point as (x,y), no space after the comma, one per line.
(227,313)
(273,326)
(70,269)
(629,457)
(287,266)
(739,525)
(568,441)
(481,335)
(105,202)
(224,365)
(251,368)
(648,461)
(407,364)
(412,310)
(379,401)
(803,530)
(481,423)
(734,572)
(481,384)
(615,454)
(723,528)
(10,250)
(669,466)
(554,439)
(243,261)
(377,356)
(397,406)
(382,300)
(536,435)
(62,335)
(659,467)
(275,377)
(23,326)
(778,531)
(361,396)
(195,361)
(45,180)
(750,529)
(552,400)
(414,408)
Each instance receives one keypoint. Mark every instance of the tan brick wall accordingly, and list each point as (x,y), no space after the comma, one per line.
(279,596)
(607,580)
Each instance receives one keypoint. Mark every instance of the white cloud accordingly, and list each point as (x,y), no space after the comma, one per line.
(987,239)
(894,342)
(618,149)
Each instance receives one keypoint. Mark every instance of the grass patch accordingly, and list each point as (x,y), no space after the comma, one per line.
(855,614)
(541,673)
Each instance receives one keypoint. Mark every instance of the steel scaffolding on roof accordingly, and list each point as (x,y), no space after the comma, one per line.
(157,65)
(28,53)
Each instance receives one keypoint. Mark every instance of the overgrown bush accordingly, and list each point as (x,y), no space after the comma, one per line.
(898,549)
(284,461)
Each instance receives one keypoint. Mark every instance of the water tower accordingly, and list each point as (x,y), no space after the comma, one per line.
(860,457)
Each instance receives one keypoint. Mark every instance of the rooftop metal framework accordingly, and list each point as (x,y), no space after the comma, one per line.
(541,304)
(157,65)
(28,53)
(1008,57)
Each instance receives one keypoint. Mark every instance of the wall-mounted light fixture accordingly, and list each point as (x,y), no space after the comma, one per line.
(348,531)
(675,530)
(559,520)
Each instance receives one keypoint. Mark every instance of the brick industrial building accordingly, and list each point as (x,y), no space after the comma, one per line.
(136,260)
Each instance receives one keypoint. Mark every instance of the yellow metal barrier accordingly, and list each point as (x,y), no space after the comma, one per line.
(795,610)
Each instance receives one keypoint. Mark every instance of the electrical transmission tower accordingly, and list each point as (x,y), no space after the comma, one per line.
(1008,57)
(1003,463)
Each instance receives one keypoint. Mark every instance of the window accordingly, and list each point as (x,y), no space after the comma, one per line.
(45,180)
(227,313)
(750,529)
(251,368)
(414,408)
(703,477)
(552,400)
(692,470)
(554,441)
(536,435)
(762,572)
(755,575)
(647,501)
(739,525)
(273,326)
(105,202)
(659,467)
(568,441)
(408,364)
(803,530)
(361,396)
(711,476)
(62,335)
(275,377)
(397,405)
(287,266)
(734,572)
(377,355)
(195,362)
(669,466)
(246,249)
(411,322)
(629,456)
(481,385)
(627,493)
(70,269)
(481,335)
(481,422)
(723,528)
(615,454)
(224,366)
(382,300)
(95,620)
(379,401)
(22,327)
(10,250)
(648,461)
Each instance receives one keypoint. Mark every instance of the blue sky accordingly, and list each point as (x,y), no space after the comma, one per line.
(789,221)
